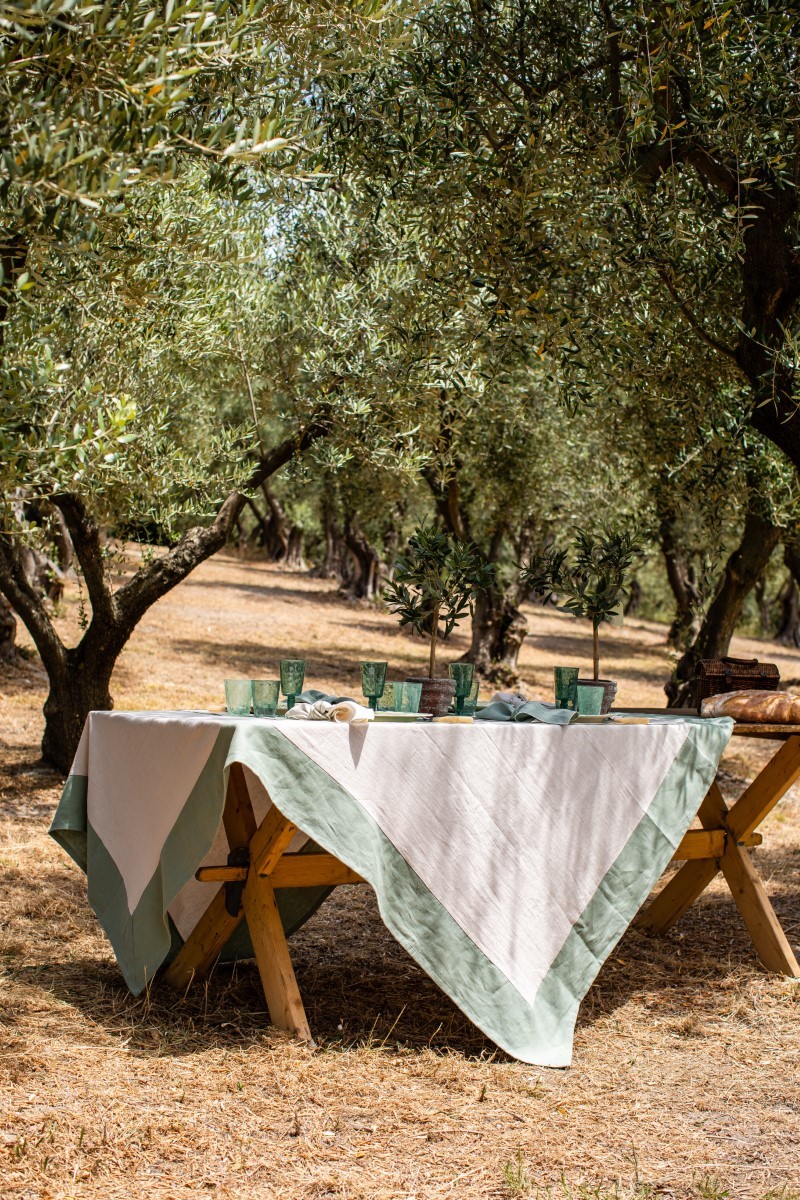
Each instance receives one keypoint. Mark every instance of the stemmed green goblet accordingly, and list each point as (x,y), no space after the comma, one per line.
(373,681)
(565,681)
(471,701)
(293,672)
(461,674)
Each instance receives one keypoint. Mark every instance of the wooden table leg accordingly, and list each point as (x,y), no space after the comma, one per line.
(204,944)
(266,845)
(284,1002)
(744,881)
(768,787)
(757,912)
(746,885)
(693,877)
(238,816)
(677,896)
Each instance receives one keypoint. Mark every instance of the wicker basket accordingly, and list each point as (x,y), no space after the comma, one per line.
(717,675)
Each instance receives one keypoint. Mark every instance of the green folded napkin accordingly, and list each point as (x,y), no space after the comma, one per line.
(532,710)
(312,695)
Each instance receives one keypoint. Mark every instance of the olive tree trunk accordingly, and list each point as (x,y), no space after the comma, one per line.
(364,581)
(788,633)
(8,632)
(333,562)
(680,576)
(743,568)
(498,630)
(499,627)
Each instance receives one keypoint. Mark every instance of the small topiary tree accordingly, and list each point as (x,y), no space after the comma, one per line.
(593,585)
(435,583)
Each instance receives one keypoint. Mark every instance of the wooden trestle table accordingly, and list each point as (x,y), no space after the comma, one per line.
(264,865)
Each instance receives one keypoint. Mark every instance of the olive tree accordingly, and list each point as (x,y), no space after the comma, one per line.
(630,174)
(116,344)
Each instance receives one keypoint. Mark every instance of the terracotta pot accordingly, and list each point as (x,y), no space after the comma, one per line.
(609,691)
(437,694)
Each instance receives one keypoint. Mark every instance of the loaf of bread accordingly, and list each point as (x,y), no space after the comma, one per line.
(761,707)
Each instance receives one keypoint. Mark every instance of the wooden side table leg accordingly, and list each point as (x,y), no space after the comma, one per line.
(274,961)
(759,916)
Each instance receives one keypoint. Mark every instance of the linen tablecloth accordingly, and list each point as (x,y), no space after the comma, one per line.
(508,859)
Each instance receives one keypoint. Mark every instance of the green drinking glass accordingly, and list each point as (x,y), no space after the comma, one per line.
(589,699)
(407,697)
(238,697)
(266,693)
(566,680)
(373,681)
(293,672)
(462,675)
(471,701)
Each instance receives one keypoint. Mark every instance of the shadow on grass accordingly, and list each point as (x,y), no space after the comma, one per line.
(363,989)
(28,788)
(241,658)
(296,594)
(245,657)
(21,678)
(579,645)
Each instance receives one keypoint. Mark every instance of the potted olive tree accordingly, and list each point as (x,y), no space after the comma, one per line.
(592,583)
(432,588)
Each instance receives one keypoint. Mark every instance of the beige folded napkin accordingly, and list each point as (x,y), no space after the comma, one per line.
(346,711)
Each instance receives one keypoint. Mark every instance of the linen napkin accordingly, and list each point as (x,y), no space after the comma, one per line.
(531,710)
(344,711)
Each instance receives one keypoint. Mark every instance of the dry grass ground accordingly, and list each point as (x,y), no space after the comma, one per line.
(686,1080)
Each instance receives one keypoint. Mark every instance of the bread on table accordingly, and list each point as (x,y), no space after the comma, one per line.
(769,708)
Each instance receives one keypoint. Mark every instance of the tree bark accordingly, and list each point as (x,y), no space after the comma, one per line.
(498,631)
(769,266)
(788,633)
(789,629)
(498,626)
(364,583)
(80,676)
(447,498)
(680,577)
(294,549)
(262,534)
(278,525)
(634,601)
(764,606)
(743,568)
(8,632)
(771,281)
(333,562)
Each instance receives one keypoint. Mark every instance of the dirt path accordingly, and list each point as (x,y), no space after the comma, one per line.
(685,1082)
